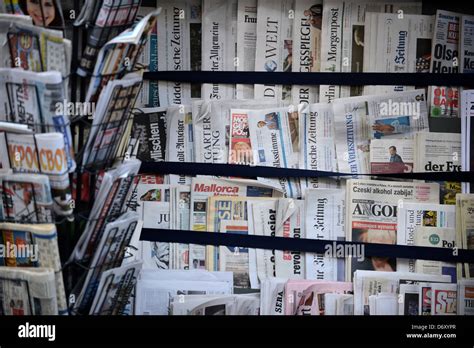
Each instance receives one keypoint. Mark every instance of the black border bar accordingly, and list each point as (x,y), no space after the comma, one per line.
(314,78)
(306,245)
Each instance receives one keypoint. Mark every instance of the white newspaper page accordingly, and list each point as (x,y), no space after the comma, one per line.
(275,143)
(246,43)
(372,207)
(324,219)
(219,29)
(307,47)
(274,45)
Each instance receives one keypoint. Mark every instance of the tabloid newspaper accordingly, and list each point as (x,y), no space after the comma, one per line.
(411,216)
(246,43)
(324,219)
(212,123)
(372,215)
(41,153)
(274,45)
(388,156)
(274,141)
(306,54)
(179,24)
(359,119)
(396,43)
(180,140)
(466,44)
(219,29)
(317,146)
(203,188)
(342,38)
(445,59)
(27,291)
(444,299)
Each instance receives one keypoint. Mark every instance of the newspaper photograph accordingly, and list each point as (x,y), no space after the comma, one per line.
(359,119)
(389,156)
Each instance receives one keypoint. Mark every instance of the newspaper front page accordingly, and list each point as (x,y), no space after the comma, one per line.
(274,45)
(219,30)
(359,119)
(372,207)
(275,143)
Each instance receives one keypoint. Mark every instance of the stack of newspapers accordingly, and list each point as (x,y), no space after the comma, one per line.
(36,158)
(305,36)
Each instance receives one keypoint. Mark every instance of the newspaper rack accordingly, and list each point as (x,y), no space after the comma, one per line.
(106,32)
(261,242)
